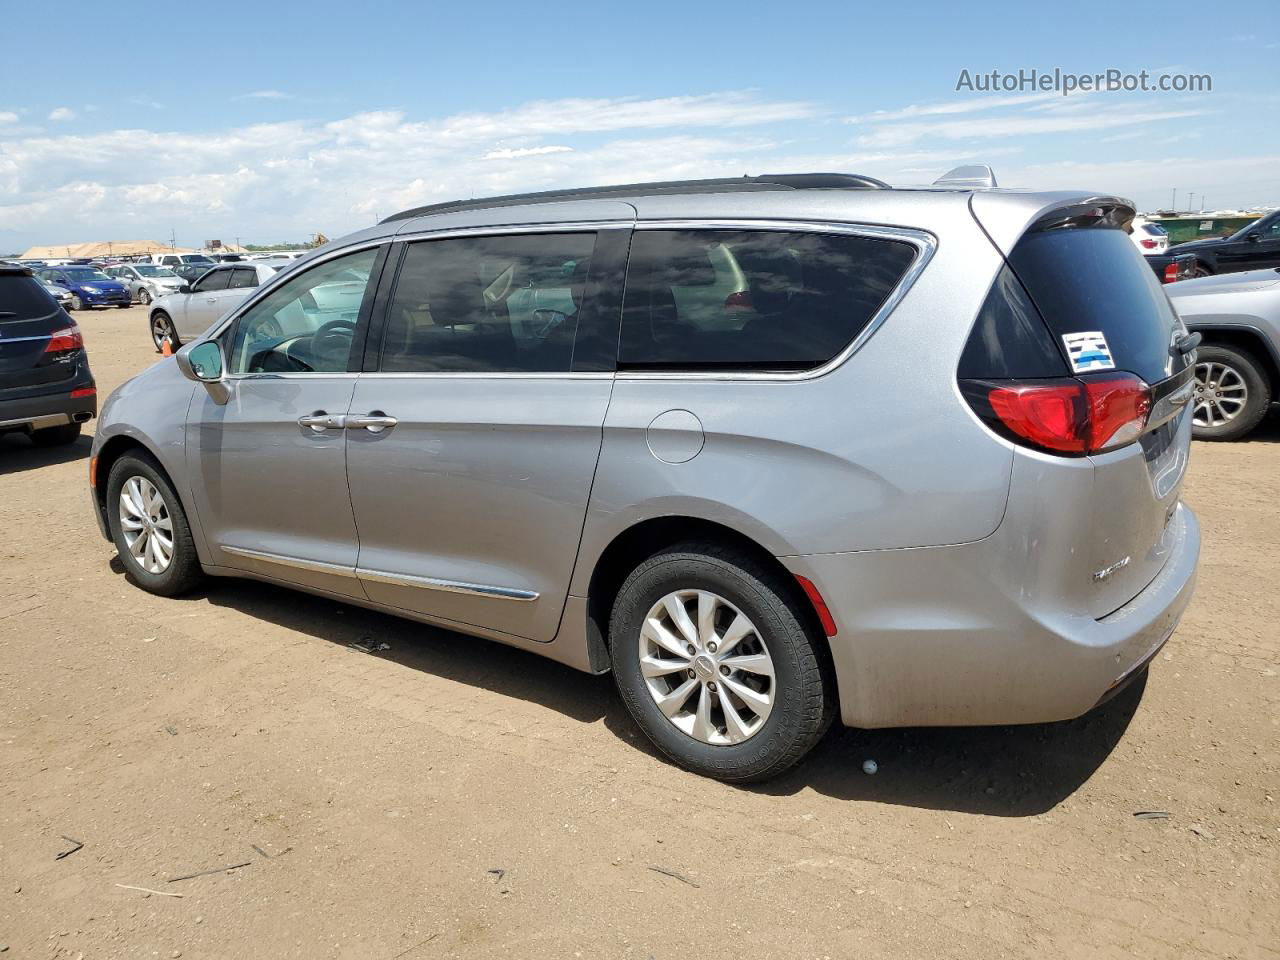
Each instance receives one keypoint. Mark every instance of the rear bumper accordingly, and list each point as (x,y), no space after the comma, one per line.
(49,409)
(927,637)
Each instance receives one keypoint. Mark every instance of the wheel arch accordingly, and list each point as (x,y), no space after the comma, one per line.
(1248,338)
(643,539)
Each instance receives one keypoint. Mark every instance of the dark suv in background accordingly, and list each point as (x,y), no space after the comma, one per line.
(46,388)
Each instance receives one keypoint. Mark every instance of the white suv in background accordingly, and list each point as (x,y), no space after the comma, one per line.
(1150,238)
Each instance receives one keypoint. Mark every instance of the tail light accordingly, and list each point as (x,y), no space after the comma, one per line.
(1171,273)
(1148,243)
(738,301)
(1070,416)
(64,340)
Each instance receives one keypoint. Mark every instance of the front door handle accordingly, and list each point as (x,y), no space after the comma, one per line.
(211,300)
(373,422)
(321,421)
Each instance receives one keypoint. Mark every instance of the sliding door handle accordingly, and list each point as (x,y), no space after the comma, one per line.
(374,422)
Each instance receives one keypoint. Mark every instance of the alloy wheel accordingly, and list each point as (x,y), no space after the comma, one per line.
(1220,394)
(706,667)
(160,331)
(76,302)
(146,524)
(144,297)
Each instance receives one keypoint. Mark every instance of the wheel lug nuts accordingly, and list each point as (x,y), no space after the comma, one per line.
(692,674)
(691,650)
(711,647)
(712,686)
(724,670)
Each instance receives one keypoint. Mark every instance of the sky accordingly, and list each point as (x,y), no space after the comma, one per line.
(197,122)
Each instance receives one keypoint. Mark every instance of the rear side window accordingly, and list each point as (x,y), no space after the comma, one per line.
(755,300)
(1092,279)
(24,298)
(503,304)
(242,277)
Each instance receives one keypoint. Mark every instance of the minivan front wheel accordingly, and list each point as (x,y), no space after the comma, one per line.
(714,659)
(149,527)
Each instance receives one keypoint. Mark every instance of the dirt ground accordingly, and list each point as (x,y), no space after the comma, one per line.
(452,797)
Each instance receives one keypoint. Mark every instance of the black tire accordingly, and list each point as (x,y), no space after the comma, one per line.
(161,319)
(803,693)
(144,298)
(1257,386)
(56,436)
(183,571)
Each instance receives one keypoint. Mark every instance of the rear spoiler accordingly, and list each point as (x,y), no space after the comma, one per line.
(1006,217)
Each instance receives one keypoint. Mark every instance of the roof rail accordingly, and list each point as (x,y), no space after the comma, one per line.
(768,181)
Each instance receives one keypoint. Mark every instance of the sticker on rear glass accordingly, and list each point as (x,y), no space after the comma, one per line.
(1088,351)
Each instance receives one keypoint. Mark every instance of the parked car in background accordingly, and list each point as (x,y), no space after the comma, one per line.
(191,272)
(46,387)
(146,281)
(1238,361)
(176,259)
(919,474)
(1148,237)
(61,295)
(228,257)
(89,286)
(1249,248)
(179,316)
(1172,267)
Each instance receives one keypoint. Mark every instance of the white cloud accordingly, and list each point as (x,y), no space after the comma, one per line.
(514,153)
(972,105)
(62,113)
(8,116)
(1018,125)
(266,95)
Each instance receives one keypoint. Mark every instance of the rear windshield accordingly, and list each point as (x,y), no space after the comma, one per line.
(24,298)
(1089,280)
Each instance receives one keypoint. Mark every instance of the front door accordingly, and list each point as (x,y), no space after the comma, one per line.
(269,466)
(471,475)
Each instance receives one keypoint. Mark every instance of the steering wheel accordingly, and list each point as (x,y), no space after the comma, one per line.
(332,327)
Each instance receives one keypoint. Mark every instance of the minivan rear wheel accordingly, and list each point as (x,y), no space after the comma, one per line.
(715,660)
(149,527)
(1232,393)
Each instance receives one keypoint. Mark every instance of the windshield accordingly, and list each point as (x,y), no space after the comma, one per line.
(151,270)
(197,258)
(84,274)
(1249,228)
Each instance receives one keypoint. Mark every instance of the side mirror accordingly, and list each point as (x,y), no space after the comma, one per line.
(1253,237)
(185,288)
(202,362)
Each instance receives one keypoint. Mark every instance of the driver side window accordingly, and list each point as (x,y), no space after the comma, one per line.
(308,324)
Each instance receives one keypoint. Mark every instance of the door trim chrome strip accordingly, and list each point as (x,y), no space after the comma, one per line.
(448,586)
(315,566)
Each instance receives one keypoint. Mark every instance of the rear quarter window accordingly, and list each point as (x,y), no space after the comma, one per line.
(1086,279)
(752,299)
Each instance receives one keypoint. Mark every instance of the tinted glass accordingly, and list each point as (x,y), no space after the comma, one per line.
(86,274)
(1093,279)
(24,298)
(241,278)
(488,304)
(213,280)
(1009,339)
(711,299)
(308,324)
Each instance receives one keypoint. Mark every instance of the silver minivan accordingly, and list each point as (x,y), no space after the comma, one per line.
(770,449)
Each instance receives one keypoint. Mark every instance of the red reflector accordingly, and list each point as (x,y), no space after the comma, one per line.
(68,338)
(1049,415)
(1148,243)
(1075,416)
(1171,273)
(819,605)
(83,392)
(738,301)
